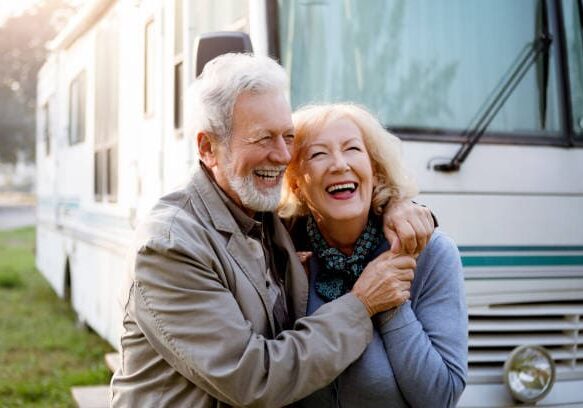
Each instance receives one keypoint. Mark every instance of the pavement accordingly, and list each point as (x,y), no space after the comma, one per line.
(17,210)
(17,216)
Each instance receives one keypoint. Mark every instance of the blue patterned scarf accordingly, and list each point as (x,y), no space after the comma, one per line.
(341,271)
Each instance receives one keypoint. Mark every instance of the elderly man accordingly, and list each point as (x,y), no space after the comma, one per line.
(214,314)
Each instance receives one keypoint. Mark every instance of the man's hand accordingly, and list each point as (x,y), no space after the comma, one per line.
(305,260)
(407,226)
(385,283)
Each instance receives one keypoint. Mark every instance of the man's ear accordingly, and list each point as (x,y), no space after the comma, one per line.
(206,149)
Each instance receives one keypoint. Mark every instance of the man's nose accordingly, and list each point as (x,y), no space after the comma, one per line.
(280,152)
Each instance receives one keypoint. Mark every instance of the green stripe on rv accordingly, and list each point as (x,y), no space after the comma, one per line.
(522,255)
(522,260)
(531,248)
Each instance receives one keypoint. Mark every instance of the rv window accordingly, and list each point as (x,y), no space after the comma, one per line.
(178,19)
(77,109)
(46,117)
(106,110)
(215,15)
(178,67)
(178,96)
(573,11)
(149,64)
(422,67)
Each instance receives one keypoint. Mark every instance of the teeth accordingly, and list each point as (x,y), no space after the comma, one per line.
(344,186)
(269,173)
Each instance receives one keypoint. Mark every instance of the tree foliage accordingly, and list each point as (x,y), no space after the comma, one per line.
(22,53)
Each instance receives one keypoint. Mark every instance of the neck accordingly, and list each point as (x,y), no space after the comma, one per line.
(342,234)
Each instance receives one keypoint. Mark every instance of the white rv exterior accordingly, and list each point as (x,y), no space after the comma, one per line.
(111,139)
(112,70)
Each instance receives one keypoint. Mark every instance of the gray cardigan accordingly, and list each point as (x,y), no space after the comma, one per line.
(418,357)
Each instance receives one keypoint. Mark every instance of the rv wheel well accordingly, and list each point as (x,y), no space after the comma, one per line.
(67,283)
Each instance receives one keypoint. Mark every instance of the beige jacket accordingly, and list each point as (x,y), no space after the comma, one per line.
(197,332)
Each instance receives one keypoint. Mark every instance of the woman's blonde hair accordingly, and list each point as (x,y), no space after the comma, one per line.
(384,149)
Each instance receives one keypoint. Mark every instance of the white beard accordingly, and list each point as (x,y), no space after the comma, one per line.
(251,197)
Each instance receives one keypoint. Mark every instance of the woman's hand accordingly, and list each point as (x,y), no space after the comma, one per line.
(385,283)
(407,226)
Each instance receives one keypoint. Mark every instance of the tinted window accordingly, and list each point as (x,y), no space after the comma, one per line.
(419,64)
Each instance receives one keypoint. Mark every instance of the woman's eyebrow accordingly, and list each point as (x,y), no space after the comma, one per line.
(352,139)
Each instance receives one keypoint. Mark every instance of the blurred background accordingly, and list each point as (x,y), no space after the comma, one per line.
(25,29)
(487,96)
(44,350)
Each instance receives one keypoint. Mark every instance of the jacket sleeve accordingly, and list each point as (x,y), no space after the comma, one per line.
(193,321)
(428,347)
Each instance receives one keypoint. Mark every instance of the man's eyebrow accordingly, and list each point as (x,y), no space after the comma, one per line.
(257,134)
(261,133)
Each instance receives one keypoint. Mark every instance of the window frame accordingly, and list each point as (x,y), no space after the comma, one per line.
(575,139)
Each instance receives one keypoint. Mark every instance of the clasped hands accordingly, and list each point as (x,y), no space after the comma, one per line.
(385,283)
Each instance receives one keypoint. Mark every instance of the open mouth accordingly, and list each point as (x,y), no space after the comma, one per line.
(268,175)
(342,190)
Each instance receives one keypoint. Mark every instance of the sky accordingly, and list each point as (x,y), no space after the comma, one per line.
(11,7)
(14,7)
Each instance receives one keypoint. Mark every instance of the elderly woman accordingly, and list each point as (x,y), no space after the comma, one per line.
(345,168)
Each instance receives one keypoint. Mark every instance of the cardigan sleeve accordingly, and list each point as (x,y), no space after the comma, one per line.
(427,343)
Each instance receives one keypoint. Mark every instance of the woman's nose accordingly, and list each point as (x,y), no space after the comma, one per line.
(340,163)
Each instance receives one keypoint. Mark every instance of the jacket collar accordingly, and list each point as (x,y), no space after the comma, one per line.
(243,250)
(206,189)
(296,281)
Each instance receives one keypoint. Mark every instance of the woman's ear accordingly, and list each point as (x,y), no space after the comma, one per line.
(298,193)
(378,177)
(375,181)
(295,188)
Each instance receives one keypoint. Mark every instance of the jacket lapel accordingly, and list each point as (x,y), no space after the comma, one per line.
(295,276)
(244,251)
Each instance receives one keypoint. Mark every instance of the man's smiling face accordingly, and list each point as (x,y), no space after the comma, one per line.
(250,168)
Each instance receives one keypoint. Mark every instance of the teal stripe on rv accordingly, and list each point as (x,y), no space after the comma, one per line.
(533,260)
(541,255)
(532,248)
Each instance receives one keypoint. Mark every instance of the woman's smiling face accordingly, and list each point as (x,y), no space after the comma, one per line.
(335,174)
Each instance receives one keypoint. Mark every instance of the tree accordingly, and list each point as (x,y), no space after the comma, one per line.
(22,52)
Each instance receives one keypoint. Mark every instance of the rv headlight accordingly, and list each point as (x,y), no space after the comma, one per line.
(529,373)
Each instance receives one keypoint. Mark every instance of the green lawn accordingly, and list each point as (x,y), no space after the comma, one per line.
(42,351)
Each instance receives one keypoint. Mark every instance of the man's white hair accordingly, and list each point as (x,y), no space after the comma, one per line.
(224,78)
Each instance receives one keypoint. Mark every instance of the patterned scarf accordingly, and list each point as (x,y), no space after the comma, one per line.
(341,271)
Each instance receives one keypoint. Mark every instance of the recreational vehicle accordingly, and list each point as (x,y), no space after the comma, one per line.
(487,96)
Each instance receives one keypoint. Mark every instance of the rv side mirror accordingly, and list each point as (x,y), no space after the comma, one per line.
(211,45)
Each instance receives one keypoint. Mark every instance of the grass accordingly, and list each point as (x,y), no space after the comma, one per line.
(42,351)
